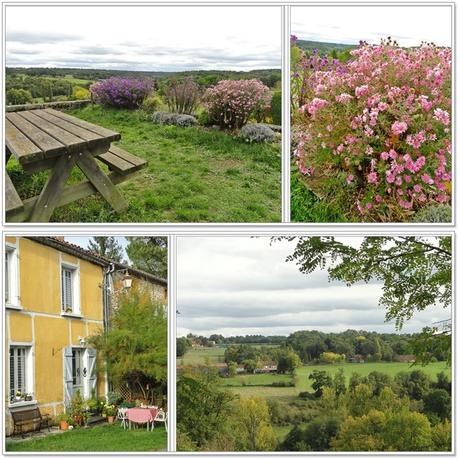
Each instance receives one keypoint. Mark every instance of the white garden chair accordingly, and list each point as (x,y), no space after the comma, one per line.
(121,415)
(161,417)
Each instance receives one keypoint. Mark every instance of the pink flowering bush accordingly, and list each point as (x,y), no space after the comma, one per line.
(375,132)
(231,103)
(127,93)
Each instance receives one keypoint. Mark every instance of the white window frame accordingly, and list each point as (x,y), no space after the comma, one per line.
(75,280)
(29,376)
(13,300)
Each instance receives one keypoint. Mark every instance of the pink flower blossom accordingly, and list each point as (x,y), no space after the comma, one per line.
(398,127)
(372,178)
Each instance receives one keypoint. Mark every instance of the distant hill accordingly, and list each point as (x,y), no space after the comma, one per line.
(323,47)
(268,76)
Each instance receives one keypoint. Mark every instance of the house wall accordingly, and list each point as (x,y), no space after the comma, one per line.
(38,321)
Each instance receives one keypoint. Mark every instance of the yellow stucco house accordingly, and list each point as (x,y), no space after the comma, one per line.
(56,295)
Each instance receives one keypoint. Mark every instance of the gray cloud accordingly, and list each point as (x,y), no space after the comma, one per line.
(241,285)
(34,38)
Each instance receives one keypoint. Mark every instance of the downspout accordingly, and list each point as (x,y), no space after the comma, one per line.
(106,303)
(106,295)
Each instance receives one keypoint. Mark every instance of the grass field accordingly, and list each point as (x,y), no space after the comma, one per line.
(105,438)
(258,385)
(193,175)
(211,355)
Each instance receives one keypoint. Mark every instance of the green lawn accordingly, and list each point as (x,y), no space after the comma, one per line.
(193,175)
(256,379)
(195,356)
(105,438)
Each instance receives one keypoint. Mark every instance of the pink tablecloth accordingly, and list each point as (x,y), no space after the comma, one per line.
(139,415)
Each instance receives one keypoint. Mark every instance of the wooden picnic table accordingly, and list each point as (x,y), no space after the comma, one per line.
(49,139)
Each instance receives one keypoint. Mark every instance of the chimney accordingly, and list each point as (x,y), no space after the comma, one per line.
(60,238)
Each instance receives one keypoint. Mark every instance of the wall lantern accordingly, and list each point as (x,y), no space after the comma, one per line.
(127,281)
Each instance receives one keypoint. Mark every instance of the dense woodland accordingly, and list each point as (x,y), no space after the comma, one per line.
(316,346)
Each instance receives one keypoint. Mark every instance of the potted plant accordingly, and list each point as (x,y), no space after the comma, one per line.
(18,396)
(64,421)
(110,411)
(78,409)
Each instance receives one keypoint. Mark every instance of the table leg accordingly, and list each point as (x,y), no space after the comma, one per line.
(51,193)
(100,181)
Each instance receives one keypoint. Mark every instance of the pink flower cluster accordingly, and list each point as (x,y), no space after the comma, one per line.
(380,127)
(231,102)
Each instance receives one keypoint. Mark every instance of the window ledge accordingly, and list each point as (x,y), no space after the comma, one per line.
(71,315)
(13,307)
(13,405)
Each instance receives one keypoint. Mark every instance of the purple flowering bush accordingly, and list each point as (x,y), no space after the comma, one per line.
(126,93)
(230,103)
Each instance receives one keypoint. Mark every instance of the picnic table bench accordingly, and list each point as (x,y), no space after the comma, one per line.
(49,139)
(29,419)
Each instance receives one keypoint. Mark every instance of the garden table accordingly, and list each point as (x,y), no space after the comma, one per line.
(141,415)
(49,139)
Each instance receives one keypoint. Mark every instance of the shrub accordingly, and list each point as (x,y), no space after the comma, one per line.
(205,119)
(176,119)
(282,384)
(276,108)
(434,213)
(127,93)
(18,96)
(378,126)
(255,132)
(231,102)
(183,96)
(151,103)
(80,94)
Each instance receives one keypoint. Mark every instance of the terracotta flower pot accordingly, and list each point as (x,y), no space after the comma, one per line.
(110,418)
(63,425)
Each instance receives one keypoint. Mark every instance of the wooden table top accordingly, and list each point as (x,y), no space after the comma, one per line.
(36,135)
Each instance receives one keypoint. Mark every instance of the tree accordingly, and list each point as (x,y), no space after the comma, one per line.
(414,384)
(379,431)
(316,436)
(231,369)
(149,253)
(18,96)
(252,427)
(339,383)
(135,346)
(106,246)
(320,379)
(330,357)
(439,403)
(203,408)
(182,346)
(288,361)
(250,365)
(416,271)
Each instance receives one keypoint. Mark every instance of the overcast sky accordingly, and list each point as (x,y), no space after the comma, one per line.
(144,38)
(242,285)
(409,25)
(83,241)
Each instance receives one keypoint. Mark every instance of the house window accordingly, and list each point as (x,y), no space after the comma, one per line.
(69,290)
(18,372)
(11,277)
(77,368)
(7,276)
